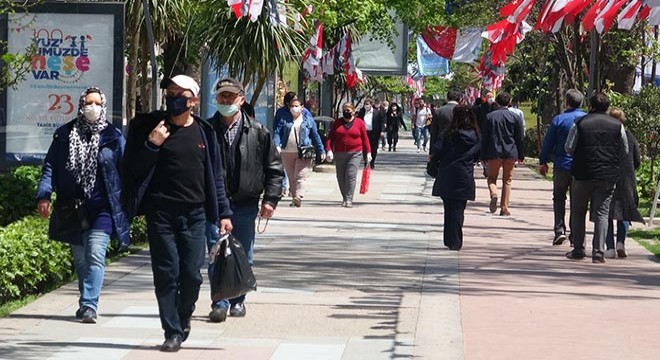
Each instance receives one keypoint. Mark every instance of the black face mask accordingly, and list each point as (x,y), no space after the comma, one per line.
(347,115)
(176,105)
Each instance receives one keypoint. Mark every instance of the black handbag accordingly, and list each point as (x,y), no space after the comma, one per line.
(69,217)
(305,151)
(232,273)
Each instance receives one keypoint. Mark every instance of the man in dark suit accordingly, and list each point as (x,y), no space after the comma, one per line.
(443,115)
(374,118)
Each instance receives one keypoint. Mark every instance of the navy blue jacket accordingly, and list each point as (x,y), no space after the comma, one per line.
(502,136)
(555,139)
(140,162)
(454,156)
(55,178)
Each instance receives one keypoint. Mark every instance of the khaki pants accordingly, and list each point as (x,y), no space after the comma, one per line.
(298,171)
(493,172)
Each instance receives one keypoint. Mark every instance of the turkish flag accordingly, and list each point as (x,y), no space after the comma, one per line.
(441,39)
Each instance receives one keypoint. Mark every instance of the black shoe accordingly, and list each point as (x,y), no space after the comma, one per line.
(186,329)
(372,165)
(237,310)
(218,314)
(576,254)
(559,239)
(89,316)
(79,313)
(172,344)
(598,259)
(493,204)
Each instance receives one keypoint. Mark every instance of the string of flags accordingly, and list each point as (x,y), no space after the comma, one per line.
(438,45)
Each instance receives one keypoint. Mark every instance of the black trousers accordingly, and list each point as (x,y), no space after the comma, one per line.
(454,216)
(374,139)
(177,245)
(392,139)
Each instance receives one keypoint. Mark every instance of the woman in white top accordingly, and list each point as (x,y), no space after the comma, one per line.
(300,132)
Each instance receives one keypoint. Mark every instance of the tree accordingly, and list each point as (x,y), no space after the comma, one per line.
(250,50)
(14,66)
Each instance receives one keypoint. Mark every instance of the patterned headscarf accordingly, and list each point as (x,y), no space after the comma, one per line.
(84,142)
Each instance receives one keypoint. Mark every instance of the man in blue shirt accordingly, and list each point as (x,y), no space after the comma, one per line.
(553,143)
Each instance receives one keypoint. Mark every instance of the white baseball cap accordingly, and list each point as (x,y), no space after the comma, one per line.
(182,81)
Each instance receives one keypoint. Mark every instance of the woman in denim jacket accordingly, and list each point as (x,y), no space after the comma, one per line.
(82,164)
(291,132)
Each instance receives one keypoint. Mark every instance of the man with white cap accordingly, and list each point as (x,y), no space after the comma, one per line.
(253,167)
(173,175)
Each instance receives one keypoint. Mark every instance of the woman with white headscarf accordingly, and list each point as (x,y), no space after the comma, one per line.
(82,168)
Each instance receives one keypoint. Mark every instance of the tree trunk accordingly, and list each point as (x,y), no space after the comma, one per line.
(145,84)
(261,81)
(133,48)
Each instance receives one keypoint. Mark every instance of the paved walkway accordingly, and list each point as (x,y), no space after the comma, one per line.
(374,282)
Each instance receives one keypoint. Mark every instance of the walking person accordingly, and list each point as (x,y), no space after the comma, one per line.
(173,166)
(82,168)
(288,136)
(597,142)
(625,201)
(394,120)
(385,107)
(253,173)
(420,122)
(444,115)
(553,145)
(454,155)
(283,115)
(502,145)
(348,143)
(373,118)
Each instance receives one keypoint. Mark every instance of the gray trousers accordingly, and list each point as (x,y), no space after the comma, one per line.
(596,197)
(347,164)
(561,183)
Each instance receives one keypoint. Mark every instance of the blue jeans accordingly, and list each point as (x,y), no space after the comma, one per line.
(244,230)
(621,232)
(419,133)
(89,261)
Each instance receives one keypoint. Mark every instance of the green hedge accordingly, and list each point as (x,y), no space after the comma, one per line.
(17,190)
(30,263)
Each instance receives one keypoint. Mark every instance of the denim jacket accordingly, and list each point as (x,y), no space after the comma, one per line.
(308,135)
(55,177)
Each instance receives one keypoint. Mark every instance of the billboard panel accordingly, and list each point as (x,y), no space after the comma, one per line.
(376,58)
(76,46)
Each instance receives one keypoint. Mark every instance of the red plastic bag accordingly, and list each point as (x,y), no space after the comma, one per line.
(364,183)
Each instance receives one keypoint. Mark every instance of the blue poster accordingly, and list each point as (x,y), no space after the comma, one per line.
(429,63)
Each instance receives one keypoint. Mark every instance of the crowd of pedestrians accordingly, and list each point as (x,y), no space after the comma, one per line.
(195,180)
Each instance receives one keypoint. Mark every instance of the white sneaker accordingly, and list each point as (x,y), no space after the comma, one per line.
(418,150)
(621,250)
(610,254)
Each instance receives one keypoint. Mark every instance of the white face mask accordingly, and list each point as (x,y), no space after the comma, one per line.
(367,107)
(295,110)
(92,112)
(491,100)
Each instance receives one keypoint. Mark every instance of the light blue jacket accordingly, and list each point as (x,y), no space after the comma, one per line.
(308,135)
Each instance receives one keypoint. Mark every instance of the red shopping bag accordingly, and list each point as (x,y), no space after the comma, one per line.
(364,184)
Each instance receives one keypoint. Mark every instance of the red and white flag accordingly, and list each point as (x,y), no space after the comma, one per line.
(246,7)
(589,19)
(517,10)
(605,18)
(456,45)
(628,15)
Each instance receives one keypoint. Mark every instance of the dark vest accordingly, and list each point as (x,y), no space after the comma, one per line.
(598,148)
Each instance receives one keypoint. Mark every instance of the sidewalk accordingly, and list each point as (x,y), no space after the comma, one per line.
(375,282)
